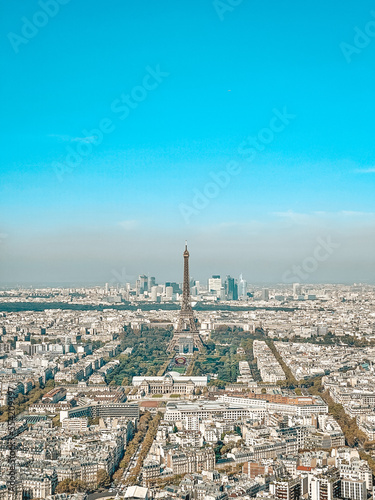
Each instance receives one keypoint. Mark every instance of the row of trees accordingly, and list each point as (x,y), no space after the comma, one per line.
(23,401)
(71,486)
(163,482)
(369,459)
(247,345)
(290,379)
(103,480)
(145,448)
(353,435)
(133,445)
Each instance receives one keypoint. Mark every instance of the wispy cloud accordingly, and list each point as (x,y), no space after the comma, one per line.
(351,213)
(302,217)
(370,170)
(294,216)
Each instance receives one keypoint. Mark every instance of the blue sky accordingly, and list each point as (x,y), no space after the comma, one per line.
(121,205)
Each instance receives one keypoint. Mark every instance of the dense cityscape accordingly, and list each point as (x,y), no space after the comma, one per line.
(187,234)
(126,390)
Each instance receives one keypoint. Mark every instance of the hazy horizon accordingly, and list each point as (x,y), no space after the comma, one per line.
(247,130)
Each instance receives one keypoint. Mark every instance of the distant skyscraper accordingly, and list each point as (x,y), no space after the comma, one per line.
(144,283)
(242,288)
(150,283)
(141,284)
(175,286)
(154,293)
(265,294)
(231,288)
(214,285)
(297,289)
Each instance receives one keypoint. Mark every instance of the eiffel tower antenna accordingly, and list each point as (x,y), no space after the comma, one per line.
(186,331)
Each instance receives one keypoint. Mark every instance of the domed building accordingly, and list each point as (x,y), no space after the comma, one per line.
(170,383)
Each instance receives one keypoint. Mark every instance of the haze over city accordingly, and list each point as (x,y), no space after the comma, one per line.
(187,278)
(248,131)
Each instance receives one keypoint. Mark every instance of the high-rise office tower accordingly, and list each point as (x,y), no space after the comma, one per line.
(231,288)
(186,333)
(154,293)
(242,288)
(150,283)
(141,284)
(175,286)
(265,294)
(297,289)
(214,285)
(144,283)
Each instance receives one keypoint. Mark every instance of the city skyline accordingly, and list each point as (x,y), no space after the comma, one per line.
(187,278)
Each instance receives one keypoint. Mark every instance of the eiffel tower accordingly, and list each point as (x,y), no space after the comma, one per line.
(186,331)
